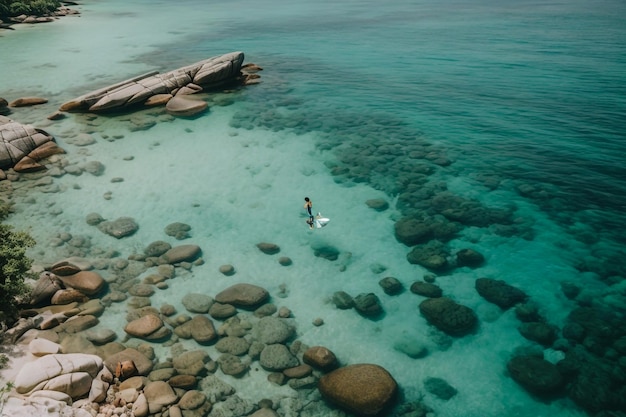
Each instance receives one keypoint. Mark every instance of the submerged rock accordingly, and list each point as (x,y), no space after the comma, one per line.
(364,389)
(499,292)
(535,374)
(449,316)
(119,228)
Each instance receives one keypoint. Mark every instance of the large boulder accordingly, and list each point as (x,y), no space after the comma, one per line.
(363,389)
(499,292)
(18,141)
(87,282)
(243,295)
(448,316)
(35,375)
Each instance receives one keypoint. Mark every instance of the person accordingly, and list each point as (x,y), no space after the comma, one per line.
(308,205)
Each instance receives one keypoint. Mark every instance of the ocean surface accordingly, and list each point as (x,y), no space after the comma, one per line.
(514,108)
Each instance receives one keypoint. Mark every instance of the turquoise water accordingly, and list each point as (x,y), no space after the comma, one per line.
(517,105)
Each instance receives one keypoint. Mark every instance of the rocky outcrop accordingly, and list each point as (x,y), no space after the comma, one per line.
(136,91)
(22,146)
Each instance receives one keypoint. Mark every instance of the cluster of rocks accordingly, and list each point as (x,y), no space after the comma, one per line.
(84,368)
(171,89)
(32,19)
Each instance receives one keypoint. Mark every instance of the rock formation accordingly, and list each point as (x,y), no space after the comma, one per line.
(21,146)
(210,72)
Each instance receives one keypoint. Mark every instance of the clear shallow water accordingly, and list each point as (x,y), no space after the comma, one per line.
(525,99)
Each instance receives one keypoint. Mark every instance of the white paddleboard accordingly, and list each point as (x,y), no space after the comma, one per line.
(320,221)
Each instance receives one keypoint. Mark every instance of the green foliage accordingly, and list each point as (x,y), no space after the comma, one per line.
(11,8)
(4,391)
(14,266)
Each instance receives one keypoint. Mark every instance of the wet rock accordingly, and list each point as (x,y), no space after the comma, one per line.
(391,285)
(157,248)
(227,270)
(221,311)
(65,268)
(185,107)
(183,381)
(432,255)
(469,257)
(277,357)
(449,316)
(527,312)
(200,328)
(191,363)
(182,253)
(94,219)
(232,365)
(271,330)
(265,310)
(268,248)
(233,345)
(440,388)
(215,389)
(285,261)
(243,295)
(87,282)
(100,336)
(343,300)
(149,327)
(159,394)
(368,305)
(363,389)
(539,332)
(535,374)
(119,228)
(27,101)
(197,303)
(377,204)
(499,292)
(178,230)
(192,400)
(68,296)
(95,168)
(142,363)
(426,289)
(300,371)
(326,252)
(320,357)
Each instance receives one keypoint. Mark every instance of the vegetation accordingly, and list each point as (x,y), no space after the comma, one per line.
(3,392)
(14,267)
(11,8)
